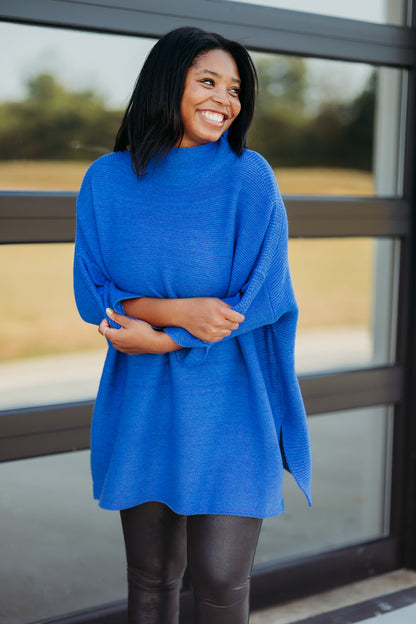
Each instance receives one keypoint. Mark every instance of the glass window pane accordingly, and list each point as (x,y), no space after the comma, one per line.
(68,555)
(62,102)
(329,127)
(60,552)
(380,11)
(346,291)
(351,488)
(47,353)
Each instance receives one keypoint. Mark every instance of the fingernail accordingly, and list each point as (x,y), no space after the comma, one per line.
(109,311)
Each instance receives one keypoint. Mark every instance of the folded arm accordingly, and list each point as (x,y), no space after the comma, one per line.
(207,318)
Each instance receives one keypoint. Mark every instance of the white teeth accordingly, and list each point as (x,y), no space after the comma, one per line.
(213,116)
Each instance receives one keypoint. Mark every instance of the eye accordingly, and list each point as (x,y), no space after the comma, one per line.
(208,81)
(235,91)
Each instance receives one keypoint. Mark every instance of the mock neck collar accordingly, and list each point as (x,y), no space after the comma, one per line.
(190,160)
(196,154)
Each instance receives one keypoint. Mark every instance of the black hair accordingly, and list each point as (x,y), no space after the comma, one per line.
(152,123)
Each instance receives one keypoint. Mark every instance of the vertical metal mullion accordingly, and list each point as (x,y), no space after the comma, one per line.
(409,398)
(406,426)
(403,505)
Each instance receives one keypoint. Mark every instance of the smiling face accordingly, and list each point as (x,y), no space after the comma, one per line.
(210,100)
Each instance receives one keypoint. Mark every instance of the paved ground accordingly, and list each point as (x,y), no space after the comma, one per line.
(343,605)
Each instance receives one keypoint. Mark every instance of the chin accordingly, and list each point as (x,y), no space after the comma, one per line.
(209,136)
(213,136)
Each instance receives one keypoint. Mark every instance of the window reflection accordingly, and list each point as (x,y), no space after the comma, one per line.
(328,127)
(314,114)
(67,554)
(351,456)
(62,104)
(325,126)
(47,354)
(346,296)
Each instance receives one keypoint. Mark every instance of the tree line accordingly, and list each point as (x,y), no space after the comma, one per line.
(54,122)
(338,134)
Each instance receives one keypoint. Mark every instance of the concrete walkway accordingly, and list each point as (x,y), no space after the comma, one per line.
(385,599)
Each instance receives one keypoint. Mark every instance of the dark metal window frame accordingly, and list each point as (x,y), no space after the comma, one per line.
(49,217)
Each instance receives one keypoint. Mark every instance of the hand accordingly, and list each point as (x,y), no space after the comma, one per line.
(135,337)
(209,319)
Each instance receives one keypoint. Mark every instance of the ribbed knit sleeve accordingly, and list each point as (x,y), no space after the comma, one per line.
(267,294)
(94,290)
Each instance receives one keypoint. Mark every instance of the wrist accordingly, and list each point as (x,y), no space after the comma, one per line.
(178,312)
(164,343)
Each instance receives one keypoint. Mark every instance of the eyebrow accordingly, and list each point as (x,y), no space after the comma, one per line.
(213,73)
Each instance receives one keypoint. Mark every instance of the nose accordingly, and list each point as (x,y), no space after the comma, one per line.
(221,96)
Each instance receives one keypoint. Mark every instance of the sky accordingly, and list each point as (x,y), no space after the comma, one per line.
(109,64)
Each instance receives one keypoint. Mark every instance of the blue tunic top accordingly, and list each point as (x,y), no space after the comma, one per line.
(201,429)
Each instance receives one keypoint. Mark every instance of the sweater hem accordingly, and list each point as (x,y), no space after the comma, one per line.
(194,512)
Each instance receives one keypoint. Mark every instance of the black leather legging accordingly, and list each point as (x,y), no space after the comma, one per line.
(219,551)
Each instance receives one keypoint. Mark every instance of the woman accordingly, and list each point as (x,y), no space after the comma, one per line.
(181,259)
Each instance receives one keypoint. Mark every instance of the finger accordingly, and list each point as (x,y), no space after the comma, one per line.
(229,310)
(121,319)
(103,326)
(111,334)
(234,317)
